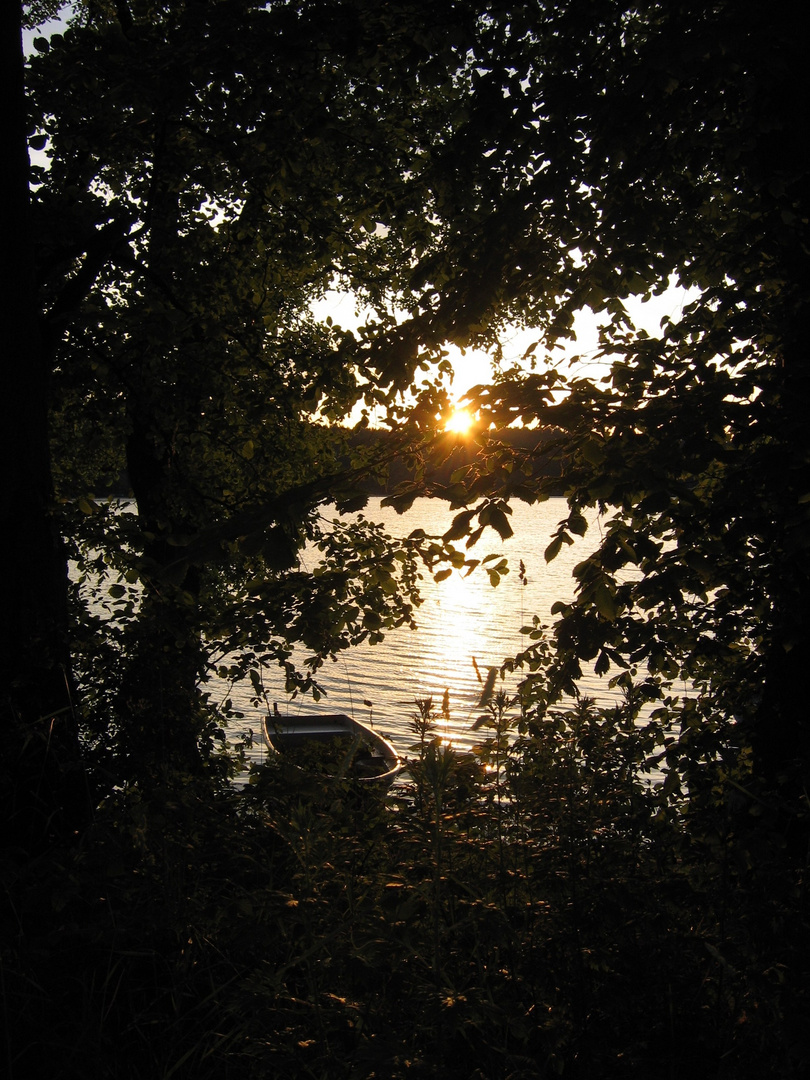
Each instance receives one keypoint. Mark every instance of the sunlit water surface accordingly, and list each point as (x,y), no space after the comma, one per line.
(463,622)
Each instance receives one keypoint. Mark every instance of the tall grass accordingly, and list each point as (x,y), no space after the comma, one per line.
(534,909)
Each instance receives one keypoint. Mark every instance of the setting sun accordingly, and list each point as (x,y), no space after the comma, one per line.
(460,422)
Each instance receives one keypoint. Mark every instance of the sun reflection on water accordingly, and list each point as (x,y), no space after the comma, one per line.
(463,622)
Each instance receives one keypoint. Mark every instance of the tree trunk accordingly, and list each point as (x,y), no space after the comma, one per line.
(159,705)
(161,711)
(782,736)
(44,792)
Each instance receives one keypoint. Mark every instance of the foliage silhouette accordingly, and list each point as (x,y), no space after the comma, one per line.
(622,894)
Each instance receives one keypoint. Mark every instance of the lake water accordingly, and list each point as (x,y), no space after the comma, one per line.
(461,619)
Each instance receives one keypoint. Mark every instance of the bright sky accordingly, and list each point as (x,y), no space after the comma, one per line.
(474,367)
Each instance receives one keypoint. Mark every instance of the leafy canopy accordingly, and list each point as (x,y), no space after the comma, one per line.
(227,165)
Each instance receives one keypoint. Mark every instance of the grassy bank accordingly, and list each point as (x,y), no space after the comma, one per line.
(536,910)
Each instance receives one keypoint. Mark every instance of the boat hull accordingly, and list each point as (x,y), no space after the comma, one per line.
(370,757)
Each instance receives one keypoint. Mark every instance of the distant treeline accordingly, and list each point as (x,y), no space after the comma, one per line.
(441,460)
(452,452)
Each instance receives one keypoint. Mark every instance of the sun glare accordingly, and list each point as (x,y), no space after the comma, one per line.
(460,422)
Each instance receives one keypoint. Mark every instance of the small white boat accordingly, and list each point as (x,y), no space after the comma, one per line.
(368,756)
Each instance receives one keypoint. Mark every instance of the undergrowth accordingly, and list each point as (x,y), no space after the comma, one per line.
(542,907)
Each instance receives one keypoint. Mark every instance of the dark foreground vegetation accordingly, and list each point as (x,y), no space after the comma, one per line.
(552,914)
(184,182)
